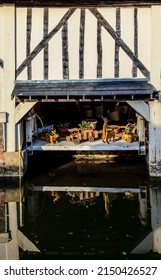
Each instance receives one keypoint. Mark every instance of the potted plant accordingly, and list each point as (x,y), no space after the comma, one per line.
(88,123)
(63,127)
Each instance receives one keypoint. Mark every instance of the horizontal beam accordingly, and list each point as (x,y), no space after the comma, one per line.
(87,189)
(97,145)
(80,3)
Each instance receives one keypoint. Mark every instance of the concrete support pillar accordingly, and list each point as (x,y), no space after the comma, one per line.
(8,52)
(155,199)
(154,157)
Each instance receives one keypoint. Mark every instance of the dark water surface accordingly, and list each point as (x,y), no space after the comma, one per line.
(85,208)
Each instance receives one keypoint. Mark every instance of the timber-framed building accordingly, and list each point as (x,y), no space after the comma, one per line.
(75,52)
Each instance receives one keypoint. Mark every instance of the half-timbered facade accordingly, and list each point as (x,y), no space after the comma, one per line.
(79,51)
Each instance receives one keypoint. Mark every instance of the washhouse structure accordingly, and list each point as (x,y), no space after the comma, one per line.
(70,54)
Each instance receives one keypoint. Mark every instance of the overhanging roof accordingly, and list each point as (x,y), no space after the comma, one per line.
(85,90)
(80,3)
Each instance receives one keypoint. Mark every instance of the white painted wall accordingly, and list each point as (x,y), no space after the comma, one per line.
(8,49)
(108,44)
(20,40)
(90,51)
(1,56)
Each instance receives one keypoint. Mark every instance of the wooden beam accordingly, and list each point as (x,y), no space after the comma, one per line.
(120,42)
(46,48)
(1,63)
(87,189)
(22,109)
(141,107)
(80,3)
(28,41)
(81,44)
(44,41)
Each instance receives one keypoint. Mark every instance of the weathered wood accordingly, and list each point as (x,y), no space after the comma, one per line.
(99,50)
(134,70)
(154,139)
(87,189)
(80,3)
(120,42)
(46,48)
(141,107)
(28,41)
(65,55)
(117,47)
(86,89)
(44,41)
(1,63)
(81,44)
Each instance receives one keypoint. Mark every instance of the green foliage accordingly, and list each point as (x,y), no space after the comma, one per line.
(85,124)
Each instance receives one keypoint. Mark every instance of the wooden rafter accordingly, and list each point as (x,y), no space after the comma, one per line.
(120,42)
(44,41)
(1,63)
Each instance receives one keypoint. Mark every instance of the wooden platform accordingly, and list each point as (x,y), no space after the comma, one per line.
(97,145)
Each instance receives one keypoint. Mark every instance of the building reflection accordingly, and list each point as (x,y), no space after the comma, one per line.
(16,206)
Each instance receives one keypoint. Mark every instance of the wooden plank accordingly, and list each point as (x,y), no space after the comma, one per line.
(120,42)
(28,41)
(63,145)
(99,50)
(87,189)
(65,55)
(80,3)
(117,47)
(1,63)
(134,69)
(44,41)
(46,48)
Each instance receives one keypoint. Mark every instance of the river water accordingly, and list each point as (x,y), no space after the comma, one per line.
(81,208)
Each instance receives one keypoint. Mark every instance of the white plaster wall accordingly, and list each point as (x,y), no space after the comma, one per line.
(156,46)
(21,40)
(1,56)
(73,44)
(127,34)
(108,44)
(144,37)
(55,45)
(36,37)
(90,51)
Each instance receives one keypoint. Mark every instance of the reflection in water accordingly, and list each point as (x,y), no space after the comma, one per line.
(82,211)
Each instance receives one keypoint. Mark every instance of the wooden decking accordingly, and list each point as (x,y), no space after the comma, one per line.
(97,145)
